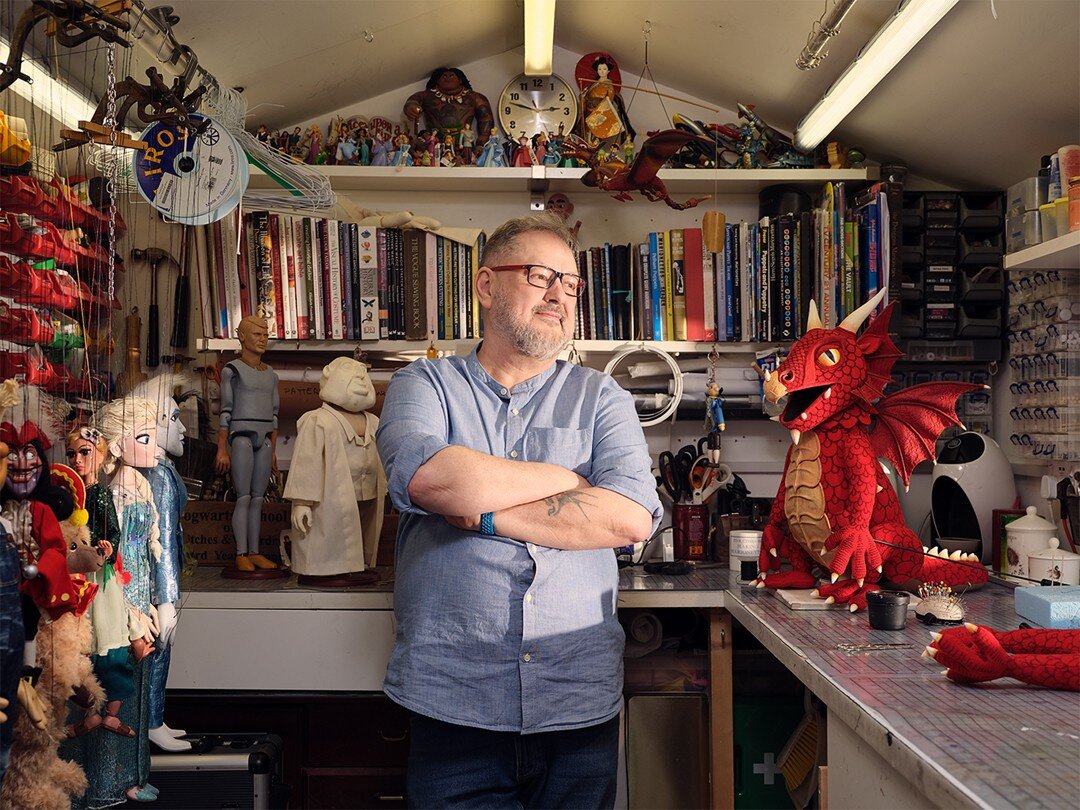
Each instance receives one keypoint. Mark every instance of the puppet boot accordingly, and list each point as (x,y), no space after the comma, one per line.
(163,739)
(259,561)
(243,563)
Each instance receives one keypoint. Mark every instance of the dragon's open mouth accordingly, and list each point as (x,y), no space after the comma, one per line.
(800,401)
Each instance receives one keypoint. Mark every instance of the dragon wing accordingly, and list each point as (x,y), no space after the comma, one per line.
(655,152)
(880,354)
(910,421)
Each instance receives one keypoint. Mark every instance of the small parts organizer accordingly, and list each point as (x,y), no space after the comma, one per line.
(1044,355)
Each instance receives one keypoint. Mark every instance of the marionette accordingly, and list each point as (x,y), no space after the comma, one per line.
(448,103)
(835,507)
(336,482)
(714,412)
(117,764)
(602,106)
(170,498)
(11,654)
(32,507)
(246,440)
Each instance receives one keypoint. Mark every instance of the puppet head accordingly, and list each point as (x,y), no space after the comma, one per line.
(129,427)
(345,383)
(828,371)
(29,429)
(253,333)
(559,204)
(86,451)
(159,389)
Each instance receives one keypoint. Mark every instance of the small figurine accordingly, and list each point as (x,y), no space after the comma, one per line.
(293,143)
(346,151)
(523,155)
(380,152)
(448,103)
(714,420)
(262,134)
(246,441)
(363,140)
(602,108)
(466,143)
(449,158)
(559,204)
(493,153)
(336,482)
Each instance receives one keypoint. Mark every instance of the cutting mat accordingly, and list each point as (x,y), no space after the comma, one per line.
(802,600)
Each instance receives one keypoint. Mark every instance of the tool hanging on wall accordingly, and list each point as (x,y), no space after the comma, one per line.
(133,373)
(182,295)
(153,257)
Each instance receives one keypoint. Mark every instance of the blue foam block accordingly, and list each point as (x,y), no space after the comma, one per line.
(1055,607)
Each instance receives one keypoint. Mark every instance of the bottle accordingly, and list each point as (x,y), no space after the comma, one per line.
(1074,204)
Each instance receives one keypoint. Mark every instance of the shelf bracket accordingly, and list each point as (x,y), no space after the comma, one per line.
(538,189)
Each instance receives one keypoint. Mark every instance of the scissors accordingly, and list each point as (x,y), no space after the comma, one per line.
(675,474)
(706,478)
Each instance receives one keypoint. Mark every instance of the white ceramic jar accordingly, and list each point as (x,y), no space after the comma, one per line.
(1026,536)
(1059,566)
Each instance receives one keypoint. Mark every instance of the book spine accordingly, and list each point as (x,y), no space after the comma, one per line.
(415,288)
(318,317)
(349,291)
(667,289)
(678,283)
(431,284)
(694,274)
(309,275)
(463,290)
(440,262)
(366,282)
(655,275)
(708,286)
(246,264)
(326,330)
(455,286)
(787,311)
(646,326)
(265,271)
(280,278)
(337,299)
(383,259)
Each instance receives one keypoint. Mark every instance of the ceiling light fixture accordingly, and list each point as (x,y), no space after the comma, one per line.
(539,37)
(889,45)
(46,93)
(825,28)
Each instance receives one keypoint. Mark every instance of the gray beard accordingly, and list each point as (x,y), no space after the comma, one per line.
(527,339)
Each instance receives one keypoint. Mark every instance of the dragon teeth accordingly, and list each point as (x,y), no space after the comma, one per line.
(828,393)
(955,555)
(934,552)
(795,434)
(768,376)
(803,416)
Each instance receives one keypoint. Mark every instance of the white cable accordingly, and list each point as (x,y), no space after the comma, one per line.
(676,373)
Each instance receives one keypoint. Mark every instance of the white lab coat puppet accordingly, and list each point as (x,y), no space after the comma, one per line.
(336,481)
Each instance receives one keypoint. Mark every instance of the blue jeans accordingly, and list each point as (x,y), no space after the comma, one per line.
(11,641)
(458,766)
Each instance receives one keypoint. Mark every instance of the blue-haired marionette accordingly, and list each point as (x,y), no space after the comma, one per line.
(714,419)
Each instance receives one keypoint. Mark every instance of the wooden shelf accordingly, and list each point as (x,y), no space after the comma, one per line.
(418,347)
(484,180)
(1062,253)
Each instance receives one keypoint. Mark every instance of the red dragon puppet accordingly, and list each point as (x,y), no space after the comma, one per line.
(974,654)
(835,506)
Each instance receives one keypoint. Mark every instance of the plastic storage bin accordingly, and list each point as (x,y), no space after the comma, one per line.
(980,249)
(1048,220)
(941,210)
(1027,195)
(981,210)
(914,210)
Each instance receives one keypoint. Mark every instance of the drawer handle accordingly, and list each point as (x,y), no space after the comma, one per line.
(390,797)
(393,739)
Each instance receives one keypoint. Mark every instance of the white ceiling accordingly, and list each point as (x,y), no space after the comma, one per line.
(974,104)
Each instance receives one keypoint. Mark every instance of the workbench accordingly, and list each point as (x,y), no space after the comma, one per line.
(899,733)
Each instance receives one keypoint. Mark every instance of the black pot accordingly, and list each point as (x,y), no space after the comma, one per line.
(887,609)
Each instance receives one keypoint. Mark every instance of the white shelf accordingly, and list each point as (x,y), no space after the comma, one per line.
(1062,253)
(418,347)
(485,180)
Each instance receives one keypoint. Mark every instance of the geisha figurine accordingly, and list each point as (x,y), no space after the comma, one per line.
(602,106)
(170,497)
(247,436)
(117,765)
(336,482)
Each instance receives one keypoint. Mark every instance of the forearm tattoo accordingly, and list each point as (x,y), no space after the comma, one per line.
(579,499)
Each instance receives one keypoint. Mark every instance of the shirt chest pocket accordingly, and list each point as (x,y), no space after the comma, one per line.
(566,447)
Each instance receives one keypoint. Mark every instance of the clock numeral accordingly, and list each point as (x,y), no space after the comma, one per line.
(566,110)
(562,96)
(538,83)
(524,86)
(515,96)
(512,125)
(507,110)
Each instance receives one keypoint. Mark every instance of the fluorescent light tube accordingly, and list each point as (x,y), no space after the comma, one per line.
(899,35)
(47,94)
(539,37)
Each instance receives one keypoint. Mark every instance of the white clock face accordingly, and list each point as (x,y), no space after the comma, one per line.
(530,104)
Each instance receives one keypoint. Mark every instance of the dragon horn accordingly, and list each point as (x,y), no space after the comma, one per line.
(813,320)
(853,321)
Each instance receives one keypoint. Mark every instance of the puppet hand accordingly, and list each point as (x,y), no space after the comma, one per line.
(301,518)
(773,547)
(3,705)
(222,462)
(140,648)
(854,547)
(971,654)
(167,619)
(469,523)
(105,547)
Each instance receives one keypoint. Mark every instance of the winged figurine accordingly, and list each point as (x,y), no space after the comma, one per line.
(616,176)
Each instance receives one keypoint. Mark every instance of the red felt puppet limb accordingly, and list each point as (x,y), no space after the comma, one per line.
(974,654)
(846,592)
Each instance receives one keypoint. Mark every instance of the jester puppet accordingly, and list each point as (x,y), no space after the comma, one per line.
(31,506)
(835,507)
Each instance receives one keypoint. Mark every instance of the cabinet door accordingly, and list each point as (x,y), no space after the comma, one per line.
(370,732)
(331,788)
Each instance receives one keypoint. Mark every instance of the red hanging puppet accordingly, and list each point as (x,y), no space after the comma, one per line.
(834,501)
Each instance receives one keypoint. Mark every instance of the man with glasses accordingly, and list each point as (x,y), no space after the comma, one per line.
(516,475)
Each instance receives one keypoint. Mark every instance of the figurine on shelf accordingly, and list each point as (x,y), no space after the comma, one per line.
(466,142)
(449,156)
(118,764)
(559,204)
(493,153)
(523,155)
(346,151)
(293,142)
(247,438)
(363,140)
(336,482)
(380,152)
(539,146)
(602,108)
(448,103)
(170,498)
(262,134)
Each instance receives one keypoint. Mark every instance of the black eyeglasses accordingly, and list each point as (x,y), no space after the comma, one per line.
(543,277)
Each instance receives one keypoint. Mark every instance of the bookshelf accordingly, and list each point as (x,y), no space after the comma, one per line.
(531,178)
(1061,253)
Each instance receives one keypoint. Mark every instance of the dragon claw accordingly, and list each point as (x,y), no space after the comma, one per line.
(830,600)
(815,593)
(835,577)
(935,637)
(853,607)
(972,628)
(772,551)
(930,652)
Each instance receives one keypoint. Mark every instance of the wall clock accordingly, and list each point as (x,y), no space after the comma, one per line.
(530,104)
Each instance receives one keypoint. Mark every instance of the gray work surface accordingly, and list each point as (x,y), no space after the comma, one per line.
(994,745)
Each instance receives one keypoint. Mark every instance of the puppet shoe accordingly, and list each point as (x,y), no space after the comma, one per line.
(119,728)
(84,726)
(81,697)
(244,563)
(260,561)
(31,703)
(141,794)
(161,738)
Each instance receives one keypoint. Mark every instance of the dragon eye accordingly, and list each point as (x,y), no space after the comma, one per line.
(829,357)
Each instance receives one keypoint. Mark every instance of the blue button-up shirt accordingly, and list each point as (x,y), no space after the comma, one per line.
(492,632)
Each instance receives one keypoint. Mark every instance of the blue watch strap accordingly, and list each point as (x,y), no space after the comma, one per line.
(487,523)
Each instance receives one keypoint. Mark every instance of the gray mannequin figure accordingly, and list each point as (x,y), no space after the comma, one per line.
(247,435)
